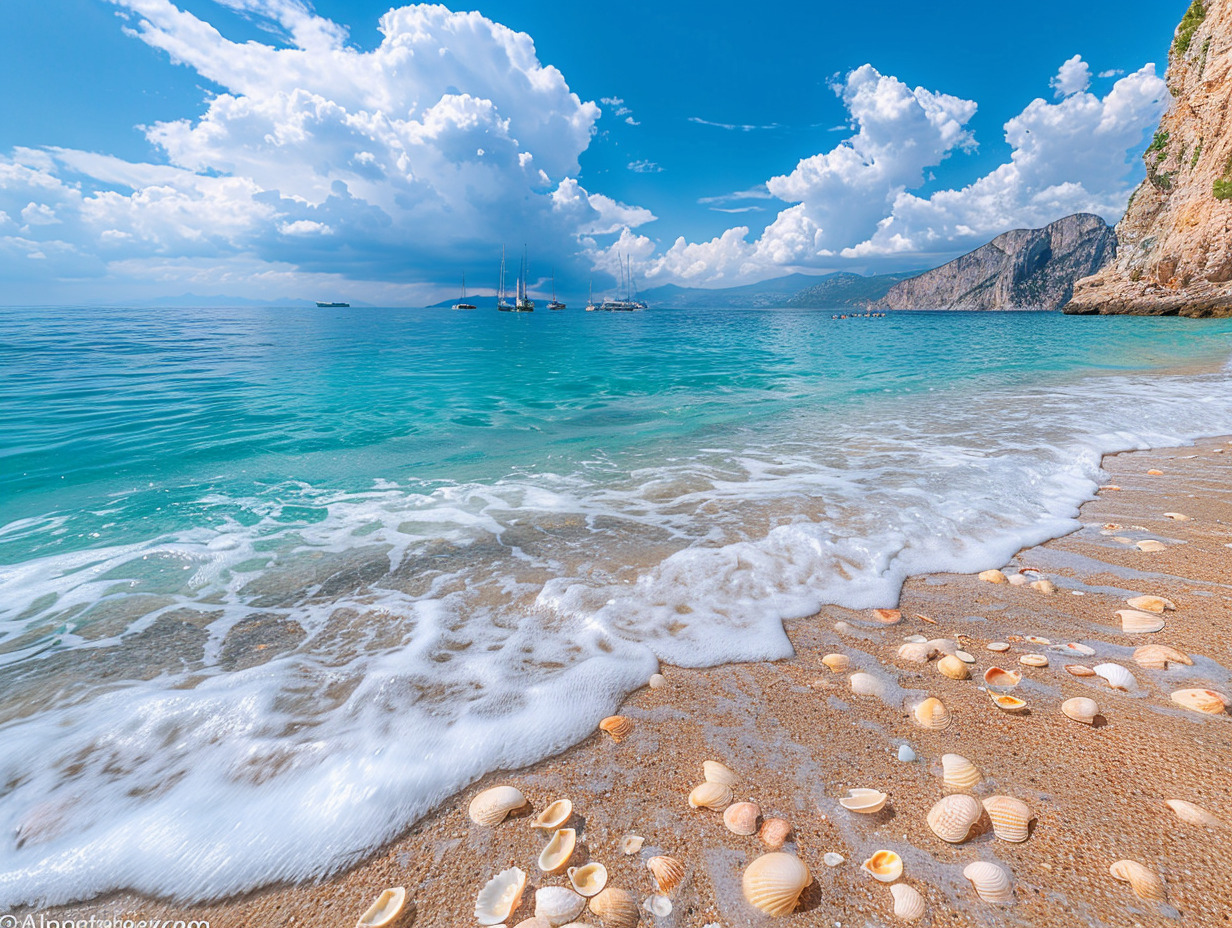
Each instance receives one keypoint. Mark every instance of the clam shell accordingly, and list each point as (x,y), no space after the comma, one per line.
(993,576)
(1116,676)
(714,772)
(667,872)
(1176,516)
(617,726)
(1018,579)
(1007,703)
(386,908)
(991,882)
(832,859)
(1155,473)
(554,815)
(774,882)
(717,796)
(1152,604)
(631,844)
(492,805)
(932,713)
(1081,709)
(999,676)
(958,772)
(908,903)
(865,684)
(965,656)
(615,908)
(774,832)
(887,616)
(1044,586)
(1033,660)
(500,896)
(1151,544)
(533,922)
(884,866)
(657,681)
(1079,670)
(588,879)
(915,652)
(741,818)
(943,645)
(557,905)
(865,801)
(1134,622)
(658,906)
(1192,814)
(997,646)
(837,662)
(1074,648)
(1011,818)
(1145,882)
(953,667)
(1158,656)
(558,851)
(951,818)
(1208,701)
(1036,639)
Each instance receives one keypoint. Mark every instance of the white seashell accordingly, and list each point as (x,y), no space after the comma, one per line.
(717,796)
(667,872)
(1116,676)
(1151,544)
(998,676)
(908,903)
(1011,818)
(965,656)
(1079,670)
(557,905)
(1035,639)
(500,896)
(837,662)
(492,805)
(832,859)
(865,801)
(951,819)
(657,681)
(714,772)
(615,908)
(1177,516)
(1158,656)
(774,882)
(554,815)
(631,844)
(617,726)
(1152,604)
(588,879)
(1033,660)
(883,866)
(958,772)
(993,576)
(1145,882)
(1074,648)
(1044,586)
(1018,579)
(943,645)
(658,906)
(915,652)
(918,639)
(386,908)
(932,713)
(1192,814)
(953,667)
(991,882)
(997,646)
(741,818)
(1200,700)
(865,684)
(1081,709)
(1134,622)
(558,851)
(905,753)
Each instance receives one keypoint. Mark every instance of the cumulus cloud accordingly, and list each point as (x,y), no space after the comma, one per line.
(1073,77)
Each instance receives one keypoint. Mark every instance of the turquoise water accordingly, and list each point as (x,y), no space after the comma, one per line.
(288,578)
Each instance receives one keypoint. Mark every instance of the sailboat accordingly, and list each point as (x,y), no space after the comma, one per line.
(591,305)
(502,303)
(630,303)
(462,304)
(523,303)
(555,303)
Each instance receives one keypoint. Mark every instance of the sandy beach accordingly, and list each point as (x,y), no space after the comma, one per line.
(799,739)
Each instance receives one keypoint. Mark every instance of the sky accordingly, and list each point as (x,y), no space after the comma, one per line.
(270,149)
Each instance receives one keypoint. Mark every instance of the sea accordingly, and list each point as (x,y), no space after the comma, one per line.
(274,583)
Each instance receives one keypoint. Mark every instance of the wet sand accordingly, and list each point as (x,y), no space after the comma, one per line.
(799,738)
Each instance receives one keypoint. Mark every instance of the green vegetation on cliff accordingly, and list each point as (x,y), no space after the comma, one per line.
(1189,25)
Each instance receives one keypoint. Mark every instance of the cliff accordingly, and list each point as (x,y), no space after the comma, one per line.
(1174,253)
(1023,269)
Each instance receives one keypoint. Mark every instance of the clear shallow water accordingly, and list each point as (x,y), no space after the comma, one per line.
(275,582)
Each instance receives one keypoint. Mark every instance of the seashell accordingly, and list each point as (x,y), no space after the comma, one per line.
(1134,622)
(997,646)
(1155,473)
(1199,700)
(1110,486)
(1112,526)
(617,726)
(774,882)
(657,681)
(1152,604)
(774,832)
(965,656)
(943,645)
(1081,709)
(1011,818)
(500,896)
(1176,516)
(588,879)
(993,576)
(1074,648)
(558,851)
(1079,670)
(1157,657)
(1145,882)
(865,801)
(658,906)
(953,667)
(554,815)
(1018,579)
(951,818)
(667,872)
(831,859)
(1007,703)
(916,652)
(837,662)
(1116,676)
(386,908)
(1044,586)
(714,772)
(615,908)
(557,905)
(741,818)
(883,866)
(631,844)
(932,713)
(991,882)
(908,903)
(1151,544)
(1033,660)
(1035,639)
(717,796)
(959,773)
(926,619)
(533,922)
(1121,539)
(865,684)
(1192,814)
(998,676)
(887,616)
(492,805)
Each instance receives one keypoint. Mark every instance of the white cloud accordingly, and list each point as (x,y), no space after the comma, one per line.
(1073,77)
(645,167)
(1112,72)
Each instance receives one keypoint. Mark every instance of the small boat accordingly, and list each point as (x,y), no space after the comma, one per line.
(523,303)
(502,303)
(462,304)
(321,305)
(630,303)
(591,305)
(555,304)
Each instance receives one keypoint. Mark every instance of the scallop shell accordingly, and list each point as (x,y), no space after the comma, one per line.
(1081,709)
(558,851)
(557,905)
(1079,670)
(774,882)
(657,681)
(887,616)
(741,818)
(953,667)
(837,662)
(991,882)
(1116,676)
(717,796)
(1011,818)
(1151,544)
(958,772)
(865,801)
(993,576)
(667,872)
(1152,604)
(865,684)
(997,646)
(998,676)
(386,908)
(554,815)
(500,896)
(951,818)
(1158,656)
(1033,660)
(1192,814)
(774,832)
(714,772)
(1145,882)
(615,908)
(1044,586)
(1134,622)
(1007,703)
(589,879)
(932,713)
(916,652)
(492,805)
(617,726)
(884,866)
(1208,701)
(631,844)
(908,903)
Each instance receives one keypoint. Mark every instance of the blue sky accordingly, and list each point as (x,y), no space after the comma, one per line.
(268,148)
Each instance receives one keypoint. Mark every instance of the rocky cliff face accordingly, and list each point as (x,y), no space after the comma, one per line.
(1174,253)
(1023,269)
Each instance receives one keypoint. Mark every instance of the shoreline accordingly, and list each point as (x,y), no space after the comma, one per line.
(800,738)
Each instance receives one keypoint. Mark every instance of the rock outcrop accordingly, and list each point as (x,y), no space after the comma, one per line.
(1174,252)
(1023,269)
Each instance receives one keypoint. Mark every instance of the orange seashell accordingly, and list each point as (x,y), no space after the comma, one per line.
(774,832)
(888,616)
(617,726)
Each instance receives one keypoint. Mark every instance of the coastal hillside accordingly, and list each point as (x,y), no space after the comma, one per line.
(1022,269)
(1175,240)
(829,291)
